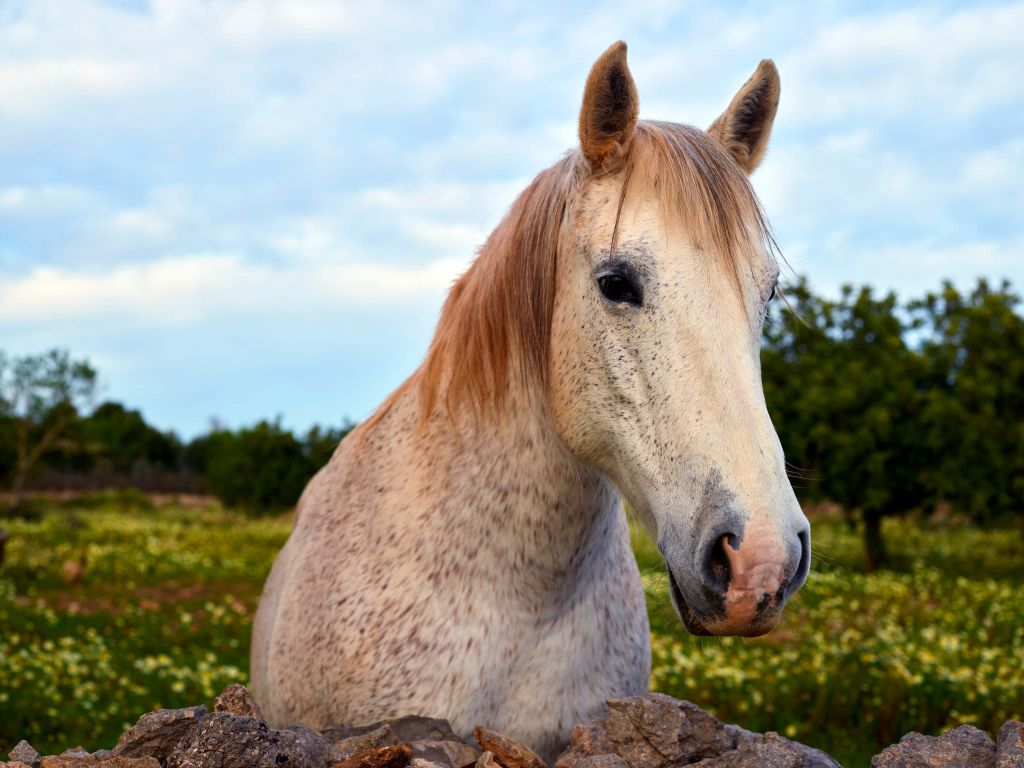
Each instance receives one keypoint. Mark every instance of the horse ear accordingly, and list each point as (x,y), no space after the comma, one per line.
(608,114)
(744,127)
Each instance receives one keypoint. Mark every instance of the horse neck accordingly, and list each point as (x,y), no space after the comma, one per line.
(542,518)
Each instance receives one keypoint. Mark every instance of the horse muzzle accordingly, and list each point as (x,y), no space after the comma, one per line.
(739,589)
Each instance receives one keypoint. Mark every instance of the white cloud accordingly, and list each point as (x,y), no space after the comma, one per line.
(250,169)
(197,289)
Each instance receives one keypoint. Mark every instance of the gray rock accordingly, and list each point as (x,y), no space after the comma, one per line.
(587,740)
(79,758)
(1009,745)
(25,753)
(406,729)
(507,751)
(602,761)
(15,764)
(156,734)
(395,756)
(963,747)
(446,752)
(652,731)
(343,748)
(227,740)
(237,699)
(657,731)
(770,750)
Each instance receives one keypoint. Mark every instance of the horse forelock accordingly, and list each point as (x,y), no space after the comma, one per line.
(494,332)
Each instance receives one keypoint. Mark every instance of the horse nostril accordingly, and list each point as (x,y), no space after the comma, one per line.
(715,569)
(803,565)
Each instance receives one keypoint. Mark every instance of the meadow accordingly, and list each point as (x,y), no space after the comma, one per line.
(110,607)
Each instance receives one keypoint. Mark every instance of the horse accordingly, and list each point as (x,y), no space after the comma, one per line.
(465,553)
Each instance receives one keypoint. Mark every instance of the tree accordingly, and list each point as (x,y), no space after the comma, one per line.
(844,390)
(40,396)
(261,467)
(120,438)
(320,443)
(973,419)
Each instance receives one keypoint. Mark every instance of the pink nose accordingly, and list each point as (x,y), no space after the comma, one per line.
(754,580)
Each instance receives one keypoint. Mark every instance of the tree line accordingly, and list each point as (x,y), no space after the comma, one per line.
(882,406)
(53,436)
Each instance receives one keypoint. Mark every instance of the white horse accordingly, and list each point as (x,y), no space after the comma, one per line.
(465,553)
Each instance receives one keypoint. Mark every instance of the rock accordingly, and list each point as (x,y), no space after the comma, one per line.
(346,747)
(652,731)
(156,734)
(227,740)
(237,699)
(657,731)
(963,747)
(406,729)
(506,751)
(79,758)
(1009,745)
(486,760)
(25,753)
(769,750)
(15,763)
(602,761)
(455,754)
(587,740)
(395,756)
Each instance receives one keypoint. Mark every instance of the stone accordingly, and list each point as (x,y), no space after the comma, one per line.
(227,740)
(1009,745)
(506,751)
(394,756)
(456,754)
(79,758)
(769,750)
(657,731)
(602,761)
(406,729)
(25,753)
(963,747)
(15,764)
(346,747)
(237,699)
(587,740)
(156,734)
(486,760)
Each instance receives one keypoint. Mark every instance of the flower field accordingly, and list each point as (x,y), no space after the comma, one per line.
(114,608)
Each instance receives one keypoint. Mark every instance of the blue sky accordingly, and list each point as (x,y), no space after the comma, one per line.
(247,209)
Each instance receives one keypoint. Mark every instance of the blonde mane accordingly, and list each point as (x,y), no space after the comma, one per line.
(495,326)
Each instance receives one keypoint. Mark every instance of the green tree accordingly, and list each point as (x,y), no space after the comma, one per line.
(263,467)
(973,419)
(844,390)
(319,443)
(40,396)
(120,438)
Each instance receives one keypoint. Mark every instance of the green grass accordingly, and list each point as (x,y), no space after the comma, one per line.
(162,614)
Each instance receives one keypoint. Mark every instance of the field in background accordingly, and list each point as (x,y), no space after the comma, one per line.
(110,607)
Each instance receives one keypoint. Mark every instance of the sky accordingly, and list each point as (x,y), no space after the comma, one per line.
(254,209)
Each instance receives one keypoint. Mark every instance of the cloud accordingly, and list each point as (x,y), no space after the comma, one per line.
(199,289)
(256,186)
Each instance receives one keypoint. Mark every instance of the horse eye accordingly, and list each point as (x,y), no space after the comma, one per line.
(619,288)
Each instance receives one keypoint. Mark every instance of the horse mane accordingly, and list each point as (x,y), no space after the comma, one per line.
(495,326)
